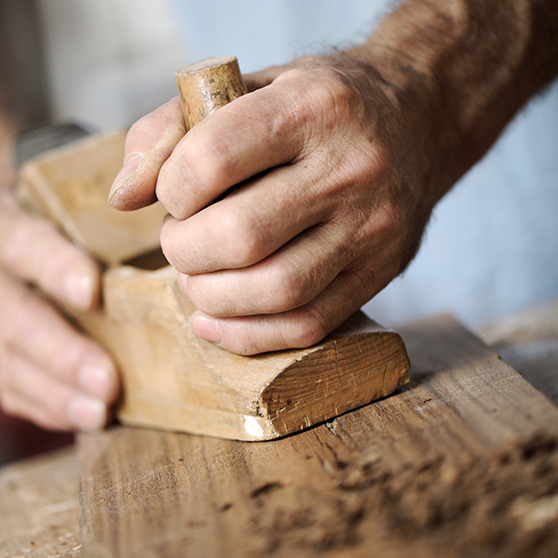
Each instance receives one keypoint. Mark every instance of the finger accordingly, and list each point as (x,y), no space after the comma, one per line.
(375,261)
(30,393)
(266,213)
(34,329)
(245,227)
(149,143)
(299,328)
(32,249)
(266,128)
(288,279)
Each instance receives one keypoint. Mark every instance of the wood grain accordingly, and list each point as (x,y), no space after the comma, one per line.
(174,380)
(70,186)
(326,491)
(528,340)
(39,507)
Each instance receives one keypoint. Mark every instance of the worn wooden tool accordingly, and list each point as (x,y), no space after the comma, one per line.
(172,379)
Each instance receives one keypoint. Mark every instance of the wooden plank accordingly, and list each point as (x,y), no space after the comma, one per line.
(532,324)
(39,507)
(419,473)
(528,340)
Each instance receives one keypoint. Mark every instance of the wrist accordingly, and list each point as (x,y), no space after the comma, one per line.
(460,71)
(412,118)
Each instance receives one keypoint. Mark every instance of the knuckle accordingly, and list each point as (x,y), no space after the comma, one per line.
(370,163)
(207,296)
(364,172)
(177,194)
(286,288)
(319,101)
(307,329)
(185,248)
(166,192)
(196,173)
(243,240)
(206,156)
(391,218)
(173,247)
(335,97)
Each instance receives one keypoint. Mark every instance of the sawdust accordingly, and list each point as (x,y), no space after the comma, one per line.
(505,505)
(299,518)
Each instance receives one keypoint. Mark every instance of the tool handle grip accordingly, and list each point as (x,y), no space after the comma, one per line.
(208,85)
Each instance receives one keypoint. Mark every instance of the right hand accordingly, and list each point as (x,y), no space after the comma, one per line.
(49,373)
(325,202)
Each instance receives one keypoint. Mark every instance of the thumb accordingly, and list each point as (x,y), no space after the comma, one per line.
(149,143)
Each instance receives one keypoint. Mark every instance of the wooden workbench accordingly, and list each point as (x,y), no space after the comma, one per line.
(462,462)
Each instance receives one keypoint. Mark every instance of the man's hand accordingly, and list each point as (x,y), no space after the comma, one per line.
(296,203)
(49,373)
(318,219)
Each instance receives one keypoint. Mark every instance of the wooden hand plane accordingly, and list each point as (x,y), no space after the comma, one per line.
(171,378)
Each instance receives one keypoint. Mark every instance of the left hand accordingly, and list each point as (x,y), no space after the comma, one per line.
(50,373)
(323,214)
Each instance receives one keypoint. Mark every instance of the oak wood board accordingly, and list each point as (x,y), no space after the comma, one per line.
(528,340)
(323,491)
(39,509)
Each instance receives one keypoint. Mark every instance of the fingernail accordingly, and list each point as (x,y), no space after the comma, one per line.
(98,380)
(87,413)
(206,327)
(79,288)
(182,281)
(125,174)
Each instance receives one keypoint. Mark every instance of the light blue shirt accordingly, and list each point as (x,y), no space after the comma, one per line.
(492,244)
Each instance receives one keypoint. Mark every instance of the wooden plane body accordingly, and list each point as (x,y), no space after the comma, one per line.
(171,378)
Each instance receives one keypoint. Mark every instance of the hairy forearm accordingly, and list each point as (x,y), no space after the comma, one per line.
(340,163)
(470,65)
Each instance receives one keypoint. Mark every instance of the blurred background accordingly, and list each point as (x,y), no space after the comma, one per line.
(492,245)
(99,63)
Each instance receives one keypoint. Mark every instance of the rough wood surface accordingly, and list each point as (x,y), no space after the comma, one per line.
(461,462)
(528,340)
(39,507)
